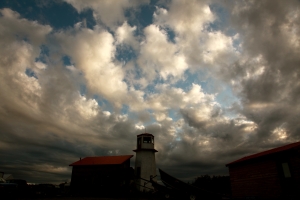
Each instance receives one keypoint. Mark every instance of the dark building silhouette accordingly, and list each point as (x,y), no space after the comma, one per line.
(104,175)
(272,174)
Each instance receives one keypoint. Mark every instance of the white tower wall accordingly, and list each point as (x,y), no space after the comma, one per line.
(145,165)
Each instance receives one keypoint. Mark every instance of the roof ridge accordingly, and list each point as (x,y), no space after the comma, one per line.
(103,160)
(267,152)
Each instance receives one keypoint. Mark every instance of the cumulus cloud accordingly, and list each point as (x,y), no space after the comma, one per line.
(190,23)
(125,35)
(160,55)
(110,13)
(185,17)
(93,52)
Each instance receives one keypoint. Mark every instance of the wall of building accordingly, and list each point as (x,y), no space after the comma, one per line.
(272,177)
(295,167)
(147,146)
(258,178)
(145,160)
(291,186)
(101,179)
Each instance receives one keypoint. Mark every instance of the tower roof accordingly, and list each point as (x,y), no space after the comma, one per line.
(145,134)
(143,149)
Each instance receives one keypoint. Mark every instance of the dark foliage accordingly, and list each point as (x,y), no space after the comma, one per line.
(215,184)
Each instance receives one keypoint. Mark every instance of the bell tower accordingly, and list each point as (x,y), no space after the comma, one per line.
(145,165)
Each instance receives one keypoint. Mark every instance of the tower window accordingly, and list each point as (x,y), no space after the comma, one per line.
(147,140)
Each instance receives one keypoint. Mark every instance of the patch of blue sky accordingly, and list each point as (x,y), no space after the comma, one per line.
(237,44)
(136,72)
(222,17)
(125,53)
(66,60)
(150,111)
(125,109)
(224,94)
(174,114)
(190,79)
(151,88)
(57,14)
(103,103)
(139,73)
(30,73)
(82,90)
(151,122)
(226,97)
(170,34)
(141,17)
(44,53)
(222,21)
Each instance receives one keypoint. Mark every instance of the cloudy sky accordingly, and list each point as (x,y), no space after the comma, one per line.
(212,81)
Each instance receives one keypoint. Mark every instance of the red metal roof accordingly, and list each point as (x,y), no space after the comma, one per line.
(268,152)
(102,160)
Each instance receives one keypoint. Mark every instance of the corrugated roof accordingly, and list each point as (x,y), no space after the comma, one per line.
(268,152)
(102,160)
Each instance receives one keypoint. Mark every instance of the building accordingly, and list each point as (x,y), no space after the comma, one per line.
(145,165)
(101,175)
(272,174)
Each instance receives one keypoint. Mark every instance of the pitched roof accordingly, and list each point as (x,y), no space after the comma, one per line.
(268,152)
(102,160)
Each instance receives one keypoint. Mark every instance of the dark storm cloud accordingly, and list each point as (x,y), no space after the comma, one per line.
(269,30)
(31,154)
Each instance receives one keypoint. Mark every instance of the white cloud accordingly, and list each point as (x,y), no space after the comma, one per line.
(176,98)
(159,55)
(20,40)
(200,47)
(125,35)
(92,51)
(186,19)
(15,28)
(110,12)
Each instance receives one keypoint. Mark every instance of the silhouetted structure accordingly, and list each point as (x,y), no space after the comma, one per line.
(100,176)
(272,174)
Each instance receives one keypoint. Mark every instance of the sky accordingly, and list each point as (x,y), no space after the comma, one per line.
(213,81)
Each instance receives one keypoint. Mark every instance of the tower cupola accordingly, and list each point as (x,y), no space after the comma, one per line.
(145,142)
